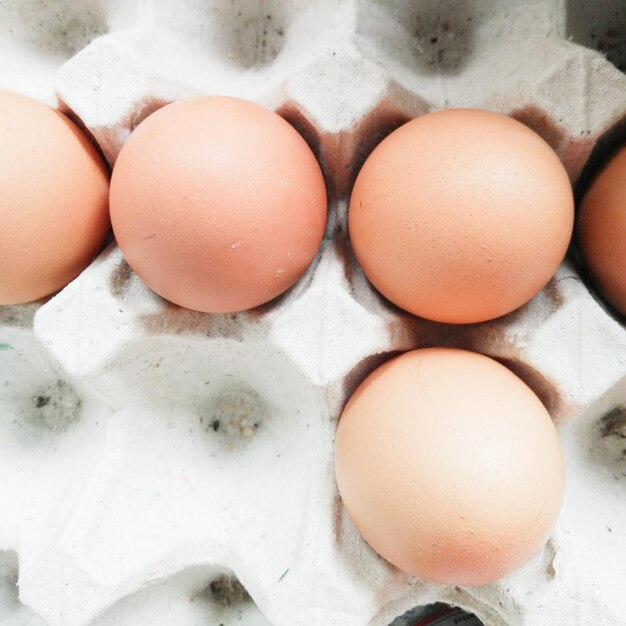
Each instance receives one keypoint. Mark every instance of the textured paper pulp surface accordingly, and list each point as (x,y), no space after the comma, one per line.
(162,466)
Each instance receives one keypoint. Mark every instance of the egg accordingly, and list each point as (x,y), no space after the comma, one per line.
(601,230)
(54,214)
(461,215)
(449,466)
(217,203)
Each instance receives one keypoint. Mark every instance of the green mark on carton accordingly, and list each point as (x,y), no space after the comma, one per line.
(5,346)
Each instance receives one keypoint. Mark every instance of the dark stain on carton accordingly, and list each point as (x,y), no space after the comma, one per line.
(235,415)
(544,388)
(368,134)
(254,32)
(86,132)
(291,113)
(62,29)
(338,517)
(613,423)
(555,297)
(343,246)
(120,278)
(225,591)
(259,312)
(538,120)
(551,557)
(608,446)
(146,107)
(362,370)
(573,149)
(174,319)
(444,36)
(52,408)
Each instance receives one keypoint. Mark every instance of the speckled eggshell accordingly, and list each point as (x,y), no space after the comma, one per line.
(461,215)
(449,466)
(601,230)
(217,203)
(54,199)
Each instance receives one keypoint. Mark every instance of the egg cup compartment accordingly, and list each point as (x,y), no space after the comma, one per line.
(178,452)
(599,26)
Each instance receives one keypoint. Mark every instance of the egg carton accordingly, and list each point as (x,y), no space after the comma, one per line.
(163,466)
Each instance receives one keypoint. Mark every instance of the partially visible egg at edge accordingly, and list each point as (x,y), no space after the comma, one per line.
(601,230)
(54,203)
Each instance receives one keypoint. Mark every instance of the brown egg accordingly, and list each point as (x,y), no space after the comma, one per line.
(601,230)
(54,212)
(217,203)
(461,215)
(449,466)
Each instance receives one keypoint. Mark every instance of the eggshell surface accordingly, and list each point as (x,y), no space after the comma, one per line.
(601,230)
(449,466)
(54,212)
(217,203)
(461,215)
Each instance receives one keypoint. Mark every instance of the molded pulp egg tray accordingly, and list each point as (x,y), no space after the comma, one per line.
(161,466)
